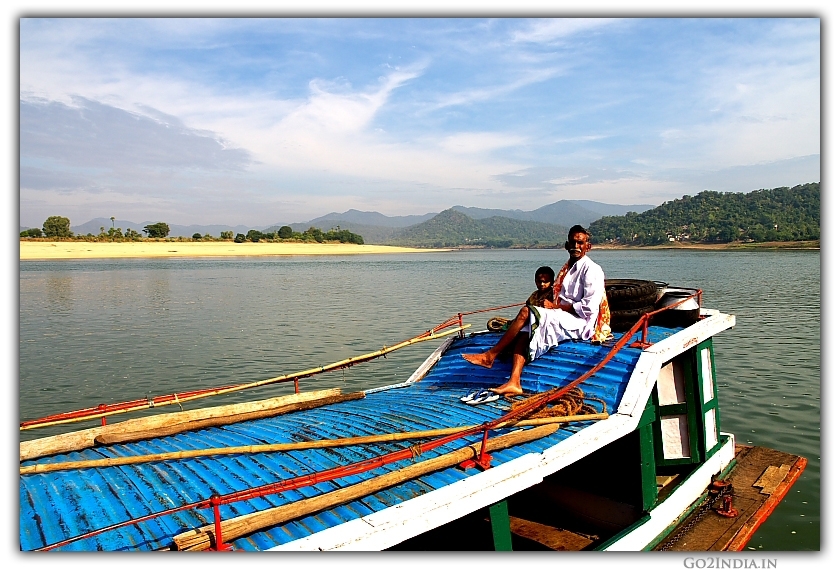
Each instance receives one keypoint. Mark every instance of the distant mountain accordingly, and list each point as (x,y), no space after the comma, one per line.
(370,219)
(611,209)
(565,212)
(452,228)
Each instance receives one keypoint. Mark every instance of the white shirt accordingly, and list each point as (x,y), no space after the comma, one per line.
(583,287)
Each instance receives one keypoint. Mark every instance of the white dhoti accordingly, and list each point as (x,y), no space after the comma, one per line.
(549,327)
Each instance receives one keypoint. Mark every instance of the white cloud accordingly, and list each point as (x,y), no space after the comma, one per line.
(346,112)
(487,93)
(554,29)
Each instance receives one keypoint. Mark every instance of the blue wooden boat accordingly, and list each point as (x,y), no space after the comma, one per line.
(632,481)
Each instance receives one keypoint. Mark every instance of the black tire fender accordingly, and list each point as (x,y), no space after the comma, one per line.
(625,294)
(623,319)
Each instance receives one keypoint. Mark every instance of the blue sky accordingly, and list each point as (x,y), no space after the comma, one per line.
(260,121)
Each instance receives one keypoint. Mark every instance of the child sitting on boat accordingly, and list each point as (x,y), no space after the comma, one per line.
(544,279)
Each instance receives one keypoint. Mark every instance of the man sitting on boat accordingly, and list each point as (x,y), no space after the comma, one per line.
(579,311)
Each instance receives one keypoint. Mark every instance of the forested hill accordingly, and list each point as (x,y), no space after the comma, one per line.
(780,214)
(452,228)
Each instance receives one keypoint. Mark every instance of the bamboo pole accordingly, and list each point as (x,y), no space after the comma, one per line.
(111,439)
(230,389)
(279,447)
(202,538)
(82,439)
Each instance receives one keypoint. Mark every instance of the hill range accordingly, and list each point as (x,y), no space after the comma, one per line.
(470,225)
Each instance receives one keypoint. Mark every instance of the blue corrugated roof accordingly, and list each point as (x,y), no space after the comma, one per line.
(55,506)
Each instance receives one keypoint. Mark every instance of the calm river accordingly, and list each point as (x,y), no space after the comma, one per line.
(112,330)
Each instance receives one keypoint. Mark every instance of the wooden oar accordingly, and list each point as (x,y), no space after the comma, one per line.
(202,538)
(277,447)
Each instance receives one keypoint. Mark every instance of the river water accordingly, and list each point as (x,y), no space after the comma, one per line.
(112,330)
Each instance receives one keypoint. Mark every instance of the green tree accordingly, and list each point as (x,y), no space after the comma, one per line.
(226,235)
(57,226)
(240,238)
(158,230)
(133,235)
(314,233)
(31,232)
(285,232)
(196,236)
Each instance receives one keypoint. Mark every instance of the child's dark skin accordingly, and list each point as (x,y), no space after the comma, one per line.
(544,292)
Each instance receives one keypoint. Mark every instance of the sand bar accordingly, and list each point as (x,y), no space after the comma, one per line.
(56,250)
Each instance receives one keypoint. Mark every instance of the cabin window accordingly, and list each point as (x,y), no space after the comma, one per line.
(706,372)
(711,429)
(675,437)
(670,385)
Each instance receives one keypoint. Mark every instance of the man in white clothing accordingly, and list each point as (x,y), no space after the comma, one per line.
(579,312)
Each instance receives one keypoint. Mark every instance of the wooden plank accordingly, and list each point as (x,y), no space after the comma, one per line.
(552,537)
(767,476)
(771,478)
(82,439)
(139,435)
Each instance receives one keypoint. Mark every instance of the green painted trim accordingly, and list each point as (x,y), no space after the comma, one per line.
(649,413)
(648,467)
(692,399)
(673,410)
(713,402)
(500,524)
(606,544)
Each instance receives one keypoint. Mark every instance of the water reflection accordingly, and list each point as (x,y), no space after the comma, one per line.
(59,290)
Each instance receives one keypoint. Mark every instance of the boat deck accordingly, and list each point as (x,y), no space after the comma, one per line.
(760,479)
(58,505)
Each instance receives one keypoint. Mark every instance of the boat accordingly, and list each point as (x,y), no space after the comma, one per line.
(613,447)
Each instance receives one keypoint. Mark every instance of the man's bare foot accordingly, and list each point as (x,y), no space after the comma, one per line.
(508,389)
(481,359)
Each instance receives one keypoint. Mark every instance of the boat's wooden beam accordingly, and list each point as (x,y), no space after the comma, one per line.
(83,439)
(279,447)
(128,437)
(203,538)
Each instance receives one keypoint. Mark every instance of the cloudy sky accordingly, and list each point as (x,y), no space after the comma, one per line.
(260,121)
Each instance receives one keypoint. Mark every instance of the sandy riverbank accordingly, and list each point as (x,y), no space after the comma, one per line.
(54,250)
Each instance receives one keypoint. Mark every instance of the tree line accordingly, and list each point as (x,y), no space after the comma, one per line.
(780,214)
(59,227)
